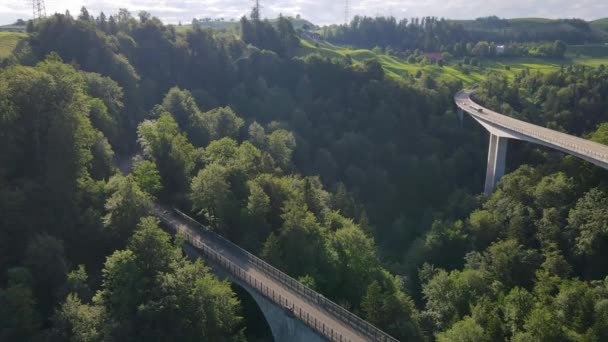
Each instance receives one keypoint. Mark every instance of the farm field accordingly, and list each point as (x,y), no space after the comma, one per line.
(397,67)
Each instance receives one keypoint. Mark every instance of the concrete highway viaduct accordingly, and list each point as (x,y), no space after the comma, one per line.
(502,128)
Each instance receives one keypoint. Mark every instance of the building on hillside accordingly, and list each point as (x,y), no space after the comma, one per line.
(500,49)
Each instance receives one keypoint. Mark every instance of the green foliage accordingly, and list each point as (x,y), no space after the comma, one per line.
(262,34)
(77,283)
(45,258)
(106,109)
(281,144)
(223,152)
(46,121)
(300,245)
(103,155)
(182,106)
(76,321)
(220,122)
(589,218)
(457,36)
(541,326)
(210,193)
(123,286)
(151,291)
(510,263)
(466,330)
(485,226)
(82,38)
(374,69)
(51,205)
(173,154)
(101,119)
(359,264)
(125,207)
(152,247)
(387,307)
(147,177)
(554,191)
(449,296)
(445,244)
(517,306)
(400,165)
(257,135)
(20,320)
(601,134)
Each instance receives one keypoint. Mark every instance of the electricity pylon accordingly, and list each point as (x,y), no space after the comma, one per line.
(255,13)
(39,9)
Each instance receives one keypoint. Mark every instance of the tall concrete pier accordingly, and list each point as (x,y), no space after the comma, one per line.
(497,155)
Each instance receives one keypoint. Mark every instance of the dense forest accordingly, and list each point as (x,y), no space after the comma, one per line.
(459,37)
(363,187)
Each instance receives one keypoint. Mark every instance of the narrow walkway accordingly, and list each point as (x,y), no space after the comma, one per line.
(327,318)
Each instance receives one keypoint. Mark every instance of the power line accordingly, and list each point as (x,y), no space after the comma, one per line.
(39,9)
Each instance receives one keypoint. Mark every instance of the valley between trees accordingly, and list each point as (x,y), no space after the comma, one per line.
(362,185)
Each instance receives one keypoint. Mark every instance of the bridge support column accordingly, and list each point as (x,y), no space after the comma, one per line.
(460,114)
(497,154)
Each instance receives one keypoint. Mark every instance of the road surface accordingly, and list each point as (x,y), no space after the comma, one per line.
(512,128)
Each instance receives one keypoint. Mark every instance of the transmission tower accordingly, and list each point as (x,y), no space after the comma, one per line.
(39,9)
(346,10)
(256,14)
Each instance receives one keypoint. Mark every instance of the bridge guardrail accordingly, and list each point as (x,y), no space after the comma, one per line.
(512,124)
(267,292)
(544,137)
(367,329)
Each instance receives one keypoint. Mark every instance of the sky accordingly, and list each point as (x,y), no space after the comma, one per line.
(320,12)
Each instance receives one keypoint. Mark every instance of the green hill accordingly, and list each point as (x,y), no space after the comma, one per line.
(398,67)
(8,42)
(532,20)
(601,24)
(298,23)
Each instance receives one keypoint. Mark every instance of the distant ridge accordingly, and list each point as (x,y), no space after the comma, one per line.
(601,24)
(12,28)
(298,23)
(533,20)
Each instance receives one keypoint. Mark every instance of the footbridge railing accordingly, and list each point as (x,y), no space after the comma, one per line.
(358,324)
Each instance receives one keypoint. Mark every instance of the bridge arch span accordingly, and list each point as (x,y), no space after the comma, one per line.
(283,326)
(293,311)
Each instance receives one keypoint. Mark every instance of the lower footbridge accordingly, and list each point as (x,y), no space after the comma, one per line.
(293,311)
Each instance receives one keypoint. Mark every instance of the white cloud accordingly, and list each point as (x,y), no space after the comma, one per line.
(320,11)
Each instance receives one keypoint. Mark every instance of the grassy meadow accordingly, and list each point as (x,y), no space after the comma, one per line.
(8,42)
(397,67)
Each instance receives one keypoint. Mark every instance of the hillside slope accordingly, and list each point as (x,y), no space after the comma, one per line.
(9,41)
(601,24)
(594,55)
